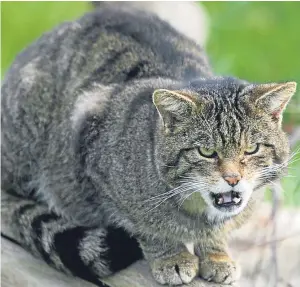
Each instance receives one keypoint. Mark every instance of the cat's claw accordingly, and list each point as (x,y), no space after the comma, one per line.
(223,271)
(175,270)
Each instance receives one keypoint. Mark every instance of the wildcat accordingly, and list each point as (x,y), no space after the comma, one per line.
(119,142)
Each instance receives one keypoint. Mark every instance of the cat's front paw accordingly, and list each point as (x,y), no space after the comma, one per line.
(179,269)
(219,268)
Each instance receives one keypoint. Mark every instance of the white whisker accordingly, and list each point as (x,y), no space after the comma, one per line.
(189,183)
(185,198)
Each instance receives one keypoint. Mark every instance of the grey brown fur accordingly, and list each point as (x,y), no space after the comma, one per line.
(102,119)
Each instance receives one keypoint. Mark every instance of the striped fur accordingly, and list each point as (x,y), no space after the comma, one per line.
(89,253)
(90,168)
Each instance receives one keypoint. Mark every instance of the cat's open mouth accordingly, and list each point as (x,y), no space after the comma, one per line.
(227,199)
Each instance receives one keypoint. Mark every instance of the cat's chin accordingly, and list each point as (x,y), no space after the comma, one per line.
(216,215)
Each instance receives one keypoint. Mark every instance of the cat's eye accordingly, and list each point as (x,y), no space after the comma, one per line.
(252,149)
(208,152)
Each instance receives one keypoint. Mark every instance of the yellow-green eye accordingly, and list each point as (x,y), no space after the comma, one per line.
(252,149)
(208,152)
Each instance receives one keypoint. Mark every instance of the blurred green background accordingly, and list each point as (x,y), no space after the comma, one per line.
(257,41)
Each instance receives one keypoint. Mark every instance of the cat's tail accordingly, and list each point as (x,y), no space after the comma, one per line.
(88,253)
(189,18)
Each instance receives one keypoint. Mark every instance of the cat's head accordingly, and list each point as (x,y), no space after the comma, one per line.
(221,141)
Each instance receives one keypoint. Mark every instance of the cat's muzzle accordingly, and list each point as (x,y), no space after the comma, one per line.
(227,200)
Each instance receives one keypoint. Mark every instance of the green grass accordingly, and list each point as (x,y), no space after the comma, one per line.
(23,22)
(257,41)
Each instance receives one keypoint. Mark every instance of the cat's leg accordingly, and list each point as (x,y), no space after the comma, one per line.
(170,264)
(215,263)
(89,253)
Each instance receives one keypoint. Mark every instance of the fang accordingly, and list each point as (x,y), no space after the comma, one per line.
(220,200)
(236,200)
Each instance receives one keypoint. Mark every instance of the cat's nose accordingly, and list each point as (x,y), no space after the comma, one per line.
(232,178)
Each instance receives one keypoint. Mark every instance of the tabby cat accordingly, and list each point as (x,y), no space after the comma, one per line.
(119,142)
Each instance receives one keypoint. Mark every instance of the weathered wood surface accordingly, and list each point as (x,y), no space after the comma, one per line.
(20,269)
(250,246)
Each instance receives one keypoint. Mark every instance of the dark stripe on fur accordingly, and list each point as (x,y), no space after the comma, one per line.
(152,129)
(12,191)
(66,245)
(23,209)
(96,75)
(36,226)
(136,71)
(123,250)
(137,103)
(89,132)
(175,162)
(107,66)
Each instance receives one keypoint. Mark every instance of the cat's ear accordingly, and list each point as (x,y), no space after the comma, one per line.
(173,106)
(273,98)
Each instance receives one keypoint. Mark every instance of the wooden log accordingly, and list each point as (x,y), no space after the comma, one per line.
(20,269)
(250,246)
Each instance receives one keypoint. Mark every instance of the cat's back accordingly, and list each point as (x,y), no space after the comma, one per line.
(112,45)
(122,44)
(106,46)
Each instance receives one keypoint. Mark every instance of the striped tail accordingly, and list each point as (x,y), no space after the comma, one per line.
(87,253)
(187,17)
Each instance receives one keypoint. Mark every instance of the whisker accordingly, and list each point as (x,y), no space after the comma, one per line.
(160,203)
(194,185)
(185,185)
(161,200)
(277,185)
(185,198)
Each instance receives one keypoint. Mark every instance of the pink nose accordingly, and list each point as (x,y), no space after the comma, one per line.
(232,178)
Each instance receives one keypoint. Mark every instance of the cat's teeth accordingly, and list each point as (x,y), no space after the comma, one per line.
(220,200)
(236,200)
